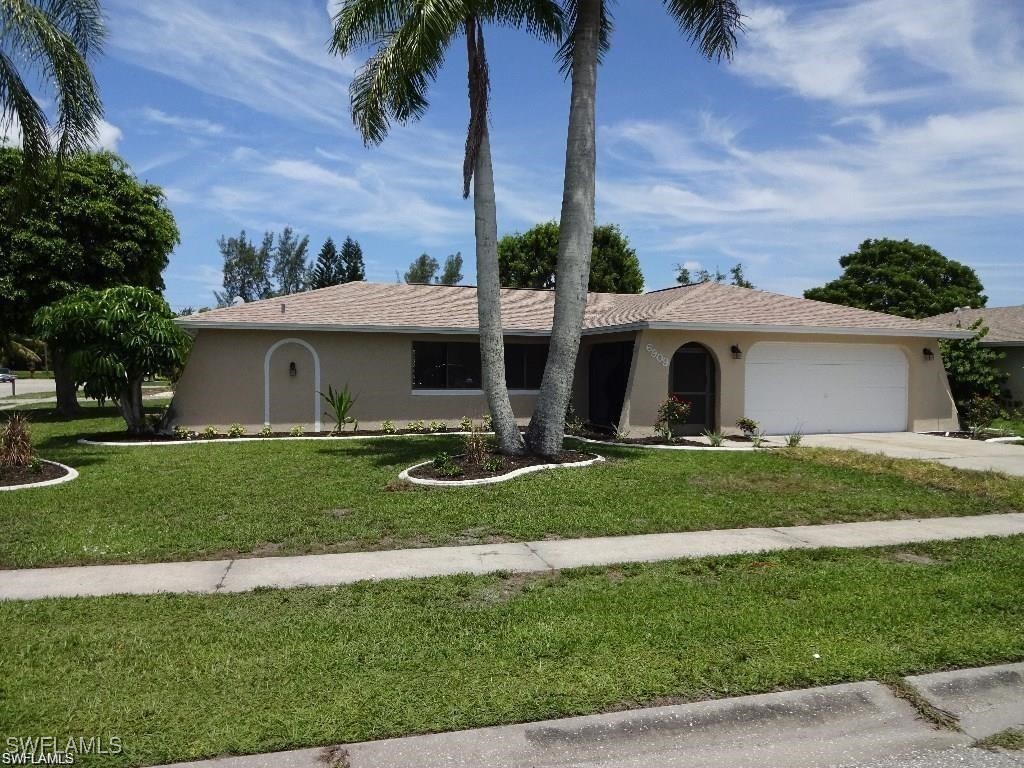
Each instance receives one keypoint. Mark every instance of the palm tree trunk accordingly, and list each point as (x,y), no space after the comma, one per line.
(576,237)
(492,343)
(64,382)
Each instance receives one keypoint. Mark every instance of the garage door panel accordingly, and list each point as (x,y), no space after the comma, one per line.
(819,387)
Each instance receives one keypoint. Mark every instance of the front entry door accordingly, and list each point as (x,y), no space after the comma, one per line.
(693,379)
(609,377)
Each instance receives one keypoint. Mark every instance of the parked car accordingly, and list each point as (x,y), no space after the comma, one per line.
(7,376)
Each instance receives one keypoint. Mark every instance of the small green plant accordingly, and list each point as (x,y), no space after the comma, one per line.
(487,423)
(236,430)
(445,465)
(758,439)
(494,464)
(465,424)
(388,427)
(297,431)
(621,432)
(184,433)
(266,431)
(747,426)
(209,433)
(340,404)
(574,425)
(793,439)
(436,426)
(715,438)
(36,466)
(16,442)
(155,421)
(671,413)
(416,426)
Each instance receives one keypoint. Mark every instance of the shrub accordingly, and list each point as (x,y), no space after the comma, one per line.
(16,442)
(155,422)
(236,430)
(793,439)
(444,465)
(747,426)
(465,424)
(210,432)
(675,410)
(978,413)
(486,423)
(297,431)
(573,423)
(416,426)
(436,426)
(758,439)
(476,446)
(184,433)
(621,433)
(388,427)
(494,464)
(340,404)
(266,431)
(714,438)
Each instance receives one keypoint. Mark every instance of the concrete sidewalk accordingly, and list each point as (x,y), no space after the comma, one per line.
(245,574)
(856,724)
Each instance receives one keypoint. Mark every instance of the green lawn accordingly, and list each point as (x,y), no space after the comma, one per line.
(213,500)
(1014,425)
(183,677)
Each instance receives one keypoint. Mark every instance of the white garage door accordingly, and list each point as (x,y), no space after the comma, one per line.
(811,387)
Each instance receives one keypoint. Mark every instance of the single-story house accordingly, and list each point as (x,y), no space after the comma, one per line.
(1005,331)
(411,352)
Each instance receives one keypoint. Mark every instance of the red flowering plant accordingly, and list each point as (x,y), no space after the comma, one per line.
(675,410)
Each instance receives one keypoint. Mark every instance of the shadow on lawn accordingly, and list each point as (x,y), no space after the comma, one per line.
(392,452)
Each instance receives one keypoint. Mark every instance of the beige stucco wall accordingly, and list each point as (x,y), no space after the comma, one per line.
(1013,364)
(930,406)
(223,381)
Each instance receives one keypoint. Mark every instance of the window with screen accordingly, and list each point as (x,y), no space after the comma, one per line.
(456,365)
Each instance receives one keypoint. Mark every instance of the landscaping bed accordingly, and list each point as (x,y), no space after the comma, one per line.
(183,677)
(203,436)
(659,440)
(460,467)
(41,472)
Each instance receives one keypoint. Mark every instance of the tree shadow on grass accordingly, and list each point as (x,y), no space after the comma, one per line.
(392,452)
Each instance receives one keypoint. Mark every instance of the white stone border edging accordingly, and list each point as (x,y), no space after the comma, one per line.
(255,439)
(748,447)
(404,474)
(1008,439)
(67,478)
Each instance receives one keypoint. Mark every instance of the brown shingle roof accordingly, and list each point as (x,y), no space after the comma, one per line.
(1005,324)
(452,309)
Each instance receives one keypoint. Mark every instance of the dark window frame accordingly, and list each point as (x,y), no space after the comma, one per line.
(531,367)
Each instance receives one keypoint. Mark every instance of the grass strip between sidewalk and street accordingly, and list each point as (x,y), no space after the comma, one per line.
(184,677)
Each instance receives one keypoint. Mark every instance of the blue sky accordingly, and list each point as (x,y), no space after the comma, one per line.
(837,121)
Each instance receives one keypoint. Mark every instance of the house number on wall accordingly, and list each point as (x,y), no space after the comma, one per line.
(658,356)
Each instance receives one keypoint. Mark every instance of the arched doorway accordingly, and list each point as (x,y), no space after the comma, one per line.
(291,384)
(693,376)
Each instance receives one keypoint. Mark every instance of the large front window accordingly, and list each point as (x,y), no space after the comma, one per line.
(456,365)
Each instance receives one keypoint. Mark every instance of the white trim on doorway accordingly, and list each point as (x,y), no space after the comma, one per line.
(316,379)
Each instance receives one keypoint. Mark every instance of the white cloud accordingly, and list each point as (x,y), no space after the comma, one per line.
(185,124)
(108,135)
(273,58)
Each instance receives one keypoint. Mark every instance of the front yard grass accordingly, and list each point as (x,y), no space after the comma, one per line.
(185,677)
(209,501)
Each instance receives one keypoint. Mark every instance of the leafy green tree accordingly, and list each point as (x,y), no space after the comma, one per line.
(422,270)
(713,26)
(451,273)
(352,266)
(685,277)
(247,269)
(97,228)
(901,278)
(329,268)
(973,370)
(529,259)
(290,271)
(54,40)
(117,337)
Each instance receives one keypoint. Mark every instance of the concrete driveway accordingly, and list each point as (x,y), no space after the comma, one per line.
(29,387)
(951,451)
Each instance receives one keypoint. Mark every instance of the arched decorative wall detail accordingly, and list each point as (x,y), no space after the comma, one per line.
(316,379)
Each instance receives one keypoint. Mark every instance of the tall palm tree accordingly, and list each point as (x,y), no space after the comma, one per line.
(410,40)
(713,26)
(53,39)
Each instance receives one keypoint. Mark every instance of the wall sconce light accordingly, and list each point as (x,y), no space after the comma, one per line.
(292,370)
(928,354)
(737,353)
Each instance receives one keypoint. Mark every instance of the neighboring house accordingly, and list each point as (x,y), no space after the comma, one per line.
(411,352)
(1005,331)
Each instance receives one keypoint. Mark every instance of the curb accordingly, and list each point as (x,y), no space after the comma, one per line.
(71,475)
(404,474)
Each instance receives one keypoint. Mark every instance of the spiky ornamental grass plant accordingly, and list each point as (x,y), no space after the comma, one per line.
(16,442)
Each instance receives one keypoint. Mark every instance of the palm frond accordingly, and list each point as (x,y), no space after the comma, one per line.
(712,24)
(479,97)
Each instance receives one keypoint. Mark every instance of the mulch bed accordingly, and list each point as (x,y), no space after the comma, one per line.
(124,437)
(658,440)
(10,476)
(509,464)
(960,435)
